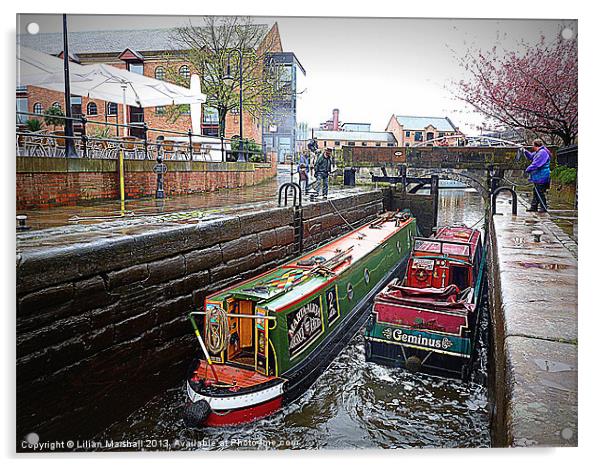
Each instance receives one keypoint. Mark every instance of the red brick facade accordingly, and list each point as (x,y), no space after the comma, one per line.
(152,116)
(47,182)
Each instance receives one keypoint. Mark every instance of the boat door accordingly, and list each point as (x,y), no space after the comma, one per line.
(241,342)
(261,343)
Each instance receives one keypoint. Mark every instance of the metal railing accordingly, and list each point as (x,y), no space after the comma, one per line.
(107,144)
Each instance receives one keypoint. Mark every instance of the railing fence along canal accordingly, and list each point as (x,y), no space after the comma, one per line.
(135,142)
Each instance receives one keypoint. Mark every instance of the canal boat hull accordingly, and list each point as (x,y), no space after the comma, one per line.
(310,322)
(426,322)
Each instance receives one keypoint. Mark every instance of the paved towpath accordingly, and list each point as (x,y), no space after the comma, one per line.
(538,295)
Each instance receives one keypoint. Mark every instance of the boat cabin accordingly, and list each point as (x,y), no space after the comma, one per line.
(452,256)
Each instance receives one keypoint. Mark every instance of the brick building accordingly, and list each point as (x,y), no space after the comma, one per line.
(411,130)
(139,51)
(338,139)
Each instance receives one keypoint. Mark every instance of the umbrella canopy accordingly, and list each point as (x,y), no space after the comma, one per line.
(115,85)
(195,109)
(37,69)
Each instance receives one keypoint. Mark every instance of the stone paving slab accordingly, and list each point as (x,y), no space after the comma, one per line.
(539,311)
(542,383)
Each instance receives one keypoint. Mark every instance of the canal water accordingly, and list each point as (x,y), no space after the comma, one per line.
(354,404)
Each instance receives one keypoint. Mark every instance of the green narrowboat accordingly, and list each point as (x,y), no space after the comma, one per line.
(266,340)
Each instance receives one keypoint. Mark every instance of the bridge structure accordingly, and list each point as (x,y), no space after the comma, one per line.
(485,168)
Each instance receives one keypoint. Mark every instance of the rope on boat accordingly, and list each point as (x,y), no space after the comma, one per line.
(216,330)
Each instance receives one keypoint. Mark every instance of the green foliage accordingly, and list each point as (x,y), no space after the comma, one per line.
(53,116)
(103,132)
(216,49)
(564,175)
(33,125)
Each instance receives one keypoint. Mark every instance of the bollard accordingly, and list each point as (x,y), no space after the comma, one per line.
(21,223)
(537,235)
(160,168)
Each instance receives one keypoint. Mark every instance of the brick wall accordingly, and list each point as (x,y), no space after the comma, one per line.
(103,328)
(45,182)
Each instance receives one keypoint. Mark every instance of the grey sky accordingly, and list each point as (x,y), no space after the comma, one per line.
(369,68)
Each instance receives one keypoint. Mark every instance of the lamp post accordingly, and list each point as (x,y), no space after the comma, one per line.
(69,145)
(228,78)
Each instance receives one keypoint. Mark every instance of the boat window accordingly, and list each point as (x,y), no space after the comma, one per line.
(366,275)
(424,245)
(349,291)
(459,276)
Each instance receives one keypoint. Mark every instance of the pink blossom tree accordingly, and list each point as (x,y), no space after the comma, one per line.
(534,90)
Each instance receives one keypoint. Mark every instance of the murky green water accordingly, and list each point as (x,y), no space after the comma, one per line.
(354,404)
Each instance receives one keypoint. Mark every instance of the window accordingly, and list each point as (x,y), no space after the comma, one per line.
(418,136)
(22,107)
(38,109)
(337,143)
(160,110)
(407,145)
(76,106)
(377,144)
(390,145)
(210,116)
(407,134)
(56,105)
(364,143)
(185,71)
(209,131)
(324,144)
(160,73)
(351,143)
(111,108)
(136,67)
(92,108)
(440,134)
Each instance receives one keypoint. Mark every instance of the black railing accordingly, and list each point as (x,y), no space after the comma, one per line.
(107,143)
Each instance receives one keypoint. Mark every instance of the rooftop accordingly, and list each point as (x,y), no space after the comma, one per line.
(410,122)
(90,42)
(381,136)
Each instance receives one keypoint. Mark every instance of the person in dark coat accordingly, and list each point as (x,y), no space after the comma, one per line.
(539,175)
(322,169)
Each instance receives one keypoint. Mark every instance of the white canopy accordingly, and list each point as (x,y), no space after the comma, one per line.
(115,85)
(38,69)
(102,82)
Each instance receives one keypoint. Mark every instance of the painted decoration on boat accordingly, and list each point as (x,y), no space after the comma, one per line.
(332,305)
(304,326)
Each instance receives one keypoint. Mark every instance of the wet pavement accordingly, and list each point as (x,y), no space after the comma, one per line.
(538,293)
(354,404)
(69,225)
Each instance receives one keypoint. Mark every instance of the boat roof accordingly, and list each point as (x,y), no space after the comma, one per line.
(456,241)
(284,286)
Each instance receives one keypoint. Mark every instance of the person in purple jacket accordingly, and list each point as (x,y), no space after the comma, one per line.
(539,175)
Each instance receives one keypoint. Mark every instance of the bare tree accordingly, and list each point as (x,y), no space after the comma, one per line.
(208,50)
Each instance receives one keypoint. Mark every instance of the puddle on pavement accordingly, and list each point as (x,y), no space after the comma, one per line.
(546,266)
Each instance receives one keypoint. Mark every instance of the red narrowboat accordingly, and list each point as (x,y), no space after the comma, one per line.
(429,320)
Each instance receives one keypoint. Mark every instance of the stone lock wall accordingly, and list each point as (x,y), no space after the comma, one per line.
(102,327)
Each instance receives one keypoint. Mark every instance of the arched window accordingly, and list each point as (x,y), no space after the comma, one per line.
(56,105)
(160,73)
(38,109)
(185,71)
(92,108)
(111,108)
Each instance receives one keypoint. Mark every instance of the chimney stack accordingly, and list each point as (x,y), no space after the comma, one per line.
(335,119)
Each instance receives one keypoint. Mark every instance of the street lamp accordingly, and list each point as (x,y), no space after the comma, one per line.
(69,144)
(229,79)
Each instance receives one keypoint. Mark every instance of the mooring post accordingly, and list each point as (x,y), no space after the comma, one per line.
(435,194)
